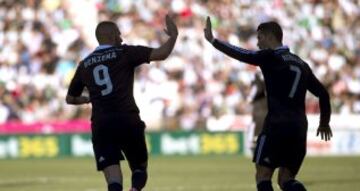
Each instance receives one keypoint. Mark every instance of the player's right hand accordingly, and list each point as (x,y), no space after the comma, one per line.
(208,31)
(171,28)
(325,132)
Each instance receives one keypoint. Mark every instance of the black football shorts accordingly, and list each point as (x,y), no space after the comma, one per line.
(274,150)
(117,135)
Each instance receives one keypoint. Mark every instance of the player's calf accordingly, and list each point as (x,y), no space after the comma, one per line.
(139,178)
(115,186)
(293,185)
(264,185)
(263,178)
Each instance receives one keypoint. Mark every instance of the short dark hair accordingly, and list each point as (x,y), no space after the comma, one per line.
(103,28)
(273,28)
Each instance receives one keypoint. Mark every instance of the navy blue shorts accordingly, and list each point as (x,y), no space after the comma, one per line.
(274,150)
(116,135)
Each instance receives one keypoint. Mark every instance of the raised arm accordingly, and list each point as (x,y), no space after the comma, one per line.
(164,50)
(244,55)
(316,88)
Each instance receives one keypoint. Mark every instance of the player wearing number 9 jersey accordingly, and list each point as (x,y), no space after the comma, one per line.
(282,142)
(108,74)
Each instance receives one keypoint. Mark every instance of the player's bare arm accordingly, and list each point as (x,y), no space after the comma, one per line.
(78,100)
(164,50)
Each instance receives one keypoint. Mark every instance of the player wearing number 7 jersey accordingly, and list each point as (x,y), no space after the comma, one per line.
(282,142)
(108,74)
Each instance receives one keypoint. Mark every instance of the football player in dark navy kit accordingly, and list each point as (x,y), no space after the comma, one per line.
(108,75)
(282,142)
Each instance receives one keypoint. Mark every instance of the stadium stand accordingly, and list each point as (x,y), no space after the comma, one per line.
(41,42)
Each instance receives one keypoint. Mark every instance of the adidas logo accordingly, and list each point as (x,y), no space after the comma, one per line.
(267,160)
(101,159)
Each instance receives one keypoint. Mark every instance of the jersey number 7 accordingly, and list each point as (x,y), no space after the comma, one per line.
(295,84)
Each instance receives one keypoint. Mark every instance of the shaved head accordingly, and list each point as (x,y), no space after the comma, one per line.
(107,32)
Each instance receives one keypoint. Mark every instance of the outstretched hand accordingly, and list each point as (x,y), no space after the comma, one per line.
(325,132)
(171,28)
(208,31)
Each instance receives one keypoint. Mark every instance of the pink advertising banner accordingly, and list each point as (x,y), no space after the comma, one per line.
(72,126)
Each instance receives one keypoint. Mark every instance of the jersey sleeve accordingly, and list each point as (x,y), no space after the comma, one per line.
(139,54)
(76,85)
(257,58)
(316,88)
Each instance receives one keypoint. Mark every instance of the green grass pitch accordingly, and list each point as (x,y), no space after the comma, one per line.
(210,173)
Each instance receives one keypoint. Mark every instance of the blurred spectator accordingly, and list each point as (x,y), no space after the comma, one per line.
(41,41)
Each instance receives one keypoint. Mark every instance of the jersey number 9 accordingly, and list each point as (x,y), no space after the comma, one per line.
(102,78)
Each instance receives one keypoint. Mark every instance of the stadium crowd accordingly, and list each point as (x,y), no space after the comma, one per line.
(41,42)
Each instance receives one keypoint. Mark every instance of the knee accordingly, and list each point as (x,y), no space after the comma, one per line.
(281,181)
(141,172)
(263,175)
(138,166)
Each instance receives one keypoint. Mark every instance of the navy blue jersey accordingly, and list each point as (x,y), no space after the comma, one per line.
(287,78)
(108,74)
